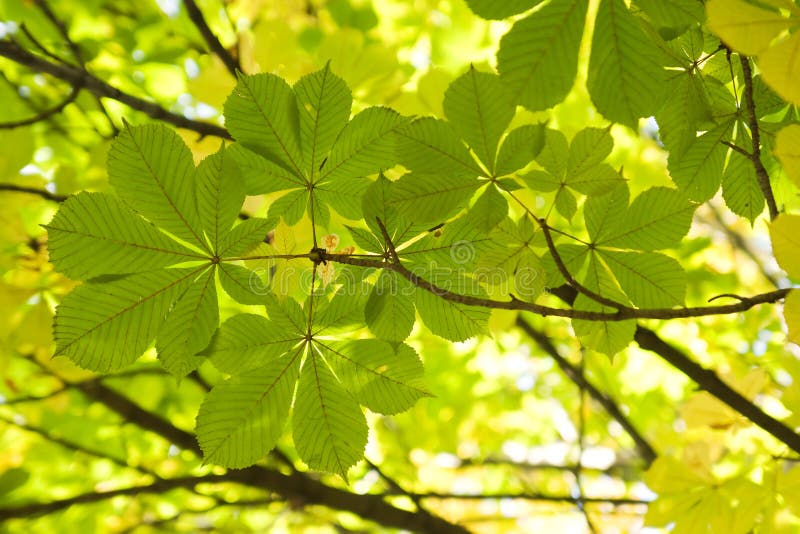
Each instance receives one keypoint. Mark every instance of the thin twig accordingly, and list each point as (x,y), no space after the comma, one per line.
(43,115)
(44,193)
(80,77)
(231,63)
(646,451)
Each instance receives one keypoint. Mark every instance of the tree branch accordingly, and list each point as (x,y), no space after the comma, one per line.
(710,382)
(296,485)
(755,155)
(646,451)
(211,40)
(534,496)
(43,115)
(79,77)
(44,193)
(623,314)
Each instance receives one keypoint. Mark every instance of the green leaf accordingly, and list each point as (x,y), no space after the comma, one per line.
(290,206)
(104,326)
(366,240)
(541,181)
(683,112)
(431,146)
(94,234)
(244,236)
(151,168)
(519,148)
(450,320)
(488,210)
(566,203)
(740,188)
(241,419)
(287,314)
(607,337)
(479,107)
(650,279)
(382,379)
(588,148)
(342,312)
(261,114)
(247,341)
(698,170)
(329,429)
(365,146)
(259,175)
(657,219)
(494,10)
(672,13)
(324,102)
(427,198)
(243,285)
(189,326)
(220,195)
(597,180)
(538,57)
(555,153)
(530,277)
(344,196)
(389,311)
(626,79)
(604,214)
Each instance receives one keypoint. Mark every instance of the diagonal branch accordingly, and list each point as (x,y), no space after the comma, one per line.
(80,77)
(231,63)
(710,382)
(44,193)
(646,451)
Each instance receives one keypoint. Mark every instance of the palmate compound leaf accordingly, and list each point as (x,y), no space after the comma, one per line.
(300,140)
(108,322)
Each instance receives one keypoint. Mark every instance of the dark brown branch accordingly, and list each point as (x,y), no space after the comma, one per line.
(211,40)
(710,382)
(43,115)
(646,450)
(44,193)
(622,314)
(737,148)
(79,77)
(297,485)
(755,155)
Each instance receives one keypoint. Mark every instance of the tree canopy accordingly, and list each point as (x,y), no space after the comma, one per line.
(435,266)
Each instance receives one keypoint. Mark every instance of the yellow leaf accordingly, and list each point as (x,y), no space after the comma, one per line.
(787,150)
(791,313)
(780,68)
(743,26)
(785,234)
